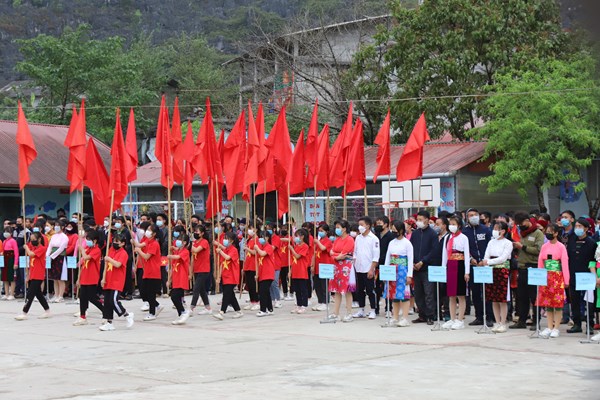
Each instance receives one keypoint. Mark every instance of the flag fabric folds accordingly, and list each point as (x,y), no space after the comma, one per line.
(27,151)
(383,152)
(96,178)
(410,165)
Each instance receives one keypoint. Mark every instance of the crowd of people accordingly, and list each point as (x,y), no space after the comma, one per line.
(118,260)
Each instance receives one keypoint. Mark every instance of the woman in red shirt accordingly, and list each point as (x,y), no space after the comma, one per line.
(36,250)
(89,276)
(265,254)
(250,268)
(201,269)
(151,281)
(323,246)
(342,252)
(300,262)
(276,243)
(115,268)
(179,276)
(230,274)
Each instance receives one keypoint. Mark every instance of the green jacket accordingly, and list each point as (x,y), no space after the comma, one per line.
(532,244)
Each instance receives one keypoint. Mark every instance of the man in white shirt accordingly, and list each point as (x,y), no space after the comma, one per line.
(366,259)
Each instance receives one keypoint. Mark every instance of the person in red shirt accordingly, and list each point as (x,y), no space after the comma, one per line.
(341,253)
(276,243)
(138,269)
(250,266)
(179,276)
(201,269)
(151,282)
(310,228)
(300,262)
(285,258)
(265,254)
(323,247)
(36,250)
(89,276)
(230,273)
(115,268)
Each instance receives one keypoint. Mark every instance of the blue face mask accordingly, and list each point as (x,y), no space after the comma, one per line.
(160,223)
(118,225)
(176,234)
(74,220)
(564,222)
(332,238)
(226,243)
(270,231)
(36,229)
(579,232)
(262,241)
(179,244)
(217,230)
(89,243)
(297,240)
(322,234)
(338,231)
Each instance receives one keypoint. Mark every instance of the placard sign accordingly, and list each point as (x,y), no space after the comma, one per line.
(71,262)
(483,275)
(326,271)
(585,281)
(537,276)
(436,274)
(387,273)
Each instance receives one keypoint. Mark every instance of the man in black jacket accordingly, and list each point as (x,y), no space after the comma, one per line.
(424,240)
(382,230)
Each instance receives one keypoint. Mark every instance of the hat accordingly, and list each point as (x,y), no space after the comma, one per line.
(241,221)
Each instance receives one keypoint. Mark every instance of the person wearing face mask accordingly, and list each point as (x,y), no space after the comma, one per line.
(382,231)
(57,251)
(180,276)
(497,255)
(72,251)
(366,259)
(230,273)
(250,269)
(278,263)
(400,254)
(435,257)
(285,265)
(150,257)
(10,252)
(162,236)
(323,246)
(342,253)
(36,250)
(89,276)
(112,281)
(265,254)
(528,247)
(581,250)
(201,269)
(121,228)
(21,234)
(566,221)
(423,240)
(458,272)
(300,261)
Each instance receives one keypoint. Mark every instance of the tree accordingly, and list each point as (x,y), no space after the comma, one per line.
(437,57)
(543,126)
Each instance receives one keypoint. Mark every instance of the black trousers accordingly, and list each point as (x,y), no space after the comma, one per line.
(264,293)
(150,289)
(526,295)
(301,289)
(424,294)
(128,287)
(320,289)
(112,304)
(89,294)
(365,287)
(577,300)
(200,288)
(34,290)
(163,277)
(250,278)
(139,276)
(284,276)
(229,298)
(309,287)
(177,299)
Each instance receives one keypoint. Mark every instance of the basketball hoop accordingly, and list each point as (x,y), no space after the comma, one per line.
(406,204)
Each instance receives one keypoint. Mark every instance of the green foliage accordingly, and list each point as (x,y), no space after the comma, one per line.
(438,52)
(547,135)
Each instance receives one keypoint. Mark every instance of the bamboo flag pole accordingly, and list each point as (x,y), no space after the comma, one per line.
(245,242)
(218,279)
(345,211)
(170,231)
(75,290)
(366,201)
(315,224)
(389,209)
(277,208)
(327,207)
(289,241)
(25,236)
(112,205)
(133,254)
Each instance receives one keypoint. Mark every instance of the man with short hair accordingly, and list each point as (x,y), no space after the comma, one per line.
(366,256)
(424,240)
(385,236)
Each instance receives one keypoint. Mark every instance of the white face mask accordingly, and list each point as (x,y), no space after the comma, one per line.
(362,229)
(148,234)
(353,234)
(453,228)
(496,234)
(420,224)
(474,220)
(250,232)
(106,224)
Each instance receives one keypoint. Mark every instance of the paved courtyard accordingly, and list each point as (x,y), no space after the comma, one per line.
(283,356)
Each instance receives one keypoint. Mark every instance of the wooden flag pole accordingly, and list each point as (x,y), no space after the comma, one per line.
(345,211)
(218,279)
(133,254)
(366,201)
(170,232)
(112,205)
(245,242)
(315,226)
(290,235)
(25,236)
(277,208)
(389,209)
(327,206)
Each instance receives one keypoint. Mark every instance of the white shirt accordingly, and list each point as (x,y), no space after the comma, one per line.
(366,252)
(499,248)
(460,243)
(401,247)
(60,241)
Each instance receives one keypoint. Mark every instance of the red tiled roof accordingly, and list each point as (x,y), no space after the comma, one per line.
(50,167)
(438,158)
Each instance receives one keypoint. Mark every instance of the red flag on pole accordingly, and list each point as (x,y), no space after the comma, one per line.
(68,140)
(27,151)
(295,177)
(280,148)
(175,141)
(188,156)
(339,153)
(311,153)
(131,148)
(410,165)
(263,151)
(234,153)
(282,200)
(77,151)
(207,158)
(162,149)
(383,152)
(252,150)
(214,200)
(355,170)
(96,178)
(323,158)
(118,166)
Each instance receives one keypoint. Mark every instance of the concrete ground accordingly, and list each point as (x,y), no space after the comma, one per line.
(283,356)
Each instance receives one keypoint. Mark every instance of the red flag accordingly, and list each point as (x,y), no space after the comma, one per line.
(131,148)
(68,140)
(295,177)
(263,151)
(162,149)
(323,156)
(96,178)
(221,147)
(207,159)
(175,142)
(355,169)
(282,200)
(383,153)
(268,184)
(311,153)
(118,166)
(188,155)
(251,163)
(77,151)
(234,153)
(339,153)
(27,151)
(214,200)
(410,165)
(280,148)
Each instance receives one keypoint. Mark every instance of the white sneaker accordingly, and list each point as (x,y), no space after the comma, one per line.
(204,311)
(596,338)
(333,317)
(159,310)
(3,297)
(218,316)
(546,333)
(294,310)
(247,307)
(321,307)
(502,328)
(51,299)
(237,315)
(165,296)
(411,312)
(181,320)
(495,327)
(23,317)
(107,327)
(80,321)
(278,304)
(288,298)
(347,318)
(130,320)
(10,298)
(359,314)
(255,307)
(457,325)
(145,306)
(448,324)
(355,304)
(262,314)
(555,333)
(403,323)
(149,317)
(60,300)
(314,308)
(372,314)
(45,315)
(301,310)
(388,314)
